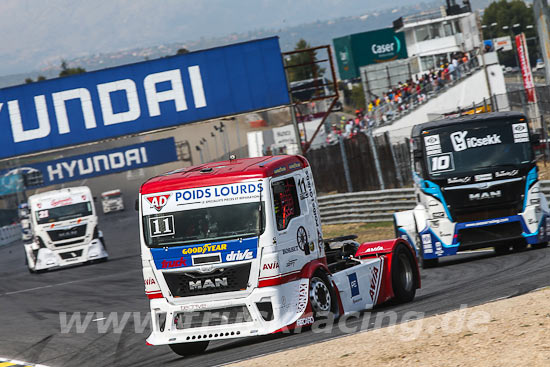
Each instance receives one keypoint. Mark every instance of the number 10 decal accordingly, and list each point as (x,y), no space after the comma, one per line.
(161,226)
(441,163)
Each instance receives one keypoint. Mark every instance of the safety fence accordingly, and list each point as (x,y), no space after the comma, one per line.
(9,234)
(373,206)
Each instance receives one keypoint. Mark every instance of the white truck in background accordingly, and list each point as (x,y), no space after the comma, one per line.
(111,201)
(64,230)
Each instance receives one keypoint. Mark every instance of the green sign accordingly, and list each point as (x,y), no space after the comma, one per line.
(368,48)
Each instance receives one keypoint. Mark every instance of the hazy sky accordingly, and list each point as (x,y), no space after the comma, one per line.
(32,31)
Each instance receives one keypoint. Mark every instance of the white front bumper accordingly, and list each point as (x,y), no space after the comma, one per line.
(48,259)
(285,301)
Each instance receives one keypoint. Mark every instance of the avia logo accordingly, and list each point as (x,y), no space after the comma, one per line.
(460,142)
(174,263)
(373,249)
(208,283)
(485,195)
(271,266)
(159,201)
(237,256)
(150,281)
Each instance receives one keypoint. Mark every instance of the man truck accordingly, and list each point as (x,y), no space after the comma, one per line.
(476,186)
(235,249)
(64,230)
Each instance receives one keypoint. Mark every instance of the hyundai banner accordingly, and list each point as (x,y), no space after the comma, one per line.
(141,97)
(106,162)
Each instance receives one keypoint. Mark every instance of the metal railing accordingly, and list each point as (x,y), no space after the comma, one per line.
(9,234)
(373,206)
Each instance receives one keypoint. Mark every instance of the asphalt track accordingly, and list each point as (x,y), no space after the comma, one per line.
(30,305)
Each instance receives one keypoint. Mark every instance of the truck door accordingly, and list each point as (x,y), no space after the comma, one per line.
(294,237)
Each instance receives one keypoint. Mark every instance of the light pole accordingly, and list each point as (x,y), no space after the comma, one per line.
(200,153)
(216,143)
(205,142)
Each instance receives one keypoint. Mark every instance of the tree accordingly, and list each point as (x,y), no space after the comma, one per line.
(29,80)
(505,14)
(182,51)
(41,78)
(307,71)
(66,71)
(358,97)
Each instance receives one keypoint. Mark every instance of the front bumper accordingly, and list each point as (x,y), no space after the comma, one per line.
(287,308)
(48,259)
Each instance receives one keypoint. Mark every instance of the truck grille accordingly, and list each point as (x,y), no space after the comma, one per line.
(488,213)
(489,234)
(230,279)
(65,234)
(71,254)
(217,317)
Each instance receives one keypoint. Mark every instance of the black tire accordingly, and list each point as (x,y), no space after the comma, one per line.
(403,275)
(540,245)
(519,247)
(189,349)
(321,296)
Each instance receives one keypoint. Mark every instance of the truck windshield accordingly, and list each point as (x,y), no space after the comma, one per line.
(65,212)
(462,150)
(204,225)
(112,197)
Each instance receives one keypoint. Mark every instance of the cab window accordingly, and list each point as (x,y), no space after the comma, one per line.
(285,202)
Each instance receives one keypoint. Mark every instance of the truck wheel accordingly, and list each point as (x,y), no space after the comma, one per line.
(518,247)
(189,349)
(403,275)
(321,296)
(540,245)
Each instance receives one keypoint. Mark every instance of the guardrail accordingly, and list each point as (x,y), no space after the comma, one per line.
(373,206)
(9,234)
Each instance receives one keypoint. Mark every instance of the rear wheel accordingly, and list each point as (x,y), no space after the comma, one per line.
(540,245)
(518,247)
(403,275)
(189,349)
(321,296)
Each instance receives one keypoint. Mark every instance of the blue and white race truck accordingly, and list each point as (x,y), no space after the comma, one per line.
(476,186)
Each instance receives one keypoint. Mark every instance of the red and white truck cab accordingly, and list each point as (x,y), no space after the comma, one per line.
(235,249)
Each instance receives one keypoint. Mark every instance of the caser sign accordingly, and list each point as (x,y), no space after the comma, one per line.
(142,97)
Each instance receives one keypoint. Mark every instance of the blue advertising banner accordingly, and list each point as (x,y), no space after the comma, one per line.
(105,162)
(11,184)
(142,97)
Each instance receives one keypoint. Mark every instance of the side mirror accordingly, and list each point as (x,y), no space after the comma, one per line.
(136,206)
(535,139)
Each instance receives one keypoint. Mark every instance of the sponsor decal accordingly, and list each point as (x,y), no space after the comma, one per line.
(426,239)
(485,195)
(433,144)
(488,222)
(301,238)
(294,165)
(438,249)
(161,226)
(534,201)
(208,283)
(302,297)
(437,215)
(483,177)
(442,163)
(61,202)
(459,180)
(290,250)
(241,191)
(461,142)
(291,263)
(521,133)
(150,281)
(353,284)
(511,173)
(158,201)
(196,307)
(281,169)
(373,282)
(238,256)
(373,249)
(174,263)
(203,249)
(305,321)
(271,266)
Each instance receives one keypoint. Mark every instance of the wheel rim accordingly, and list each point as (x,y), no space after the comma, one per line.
(319,296)
(407,273)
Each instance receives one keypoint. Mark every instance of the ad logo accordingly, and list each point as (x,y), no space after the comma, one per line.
(158,201)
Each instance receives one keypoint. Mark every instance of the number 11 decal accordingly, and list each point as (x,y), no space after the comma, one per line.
(161,226)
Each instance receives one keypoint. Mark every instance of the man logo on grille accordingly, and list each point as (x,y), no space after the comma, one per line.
(208,283)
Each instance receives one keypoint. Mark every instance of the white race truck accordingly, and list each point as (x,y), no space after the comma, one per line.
(64,230)
(476,185)
(111,201)
(235,249)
